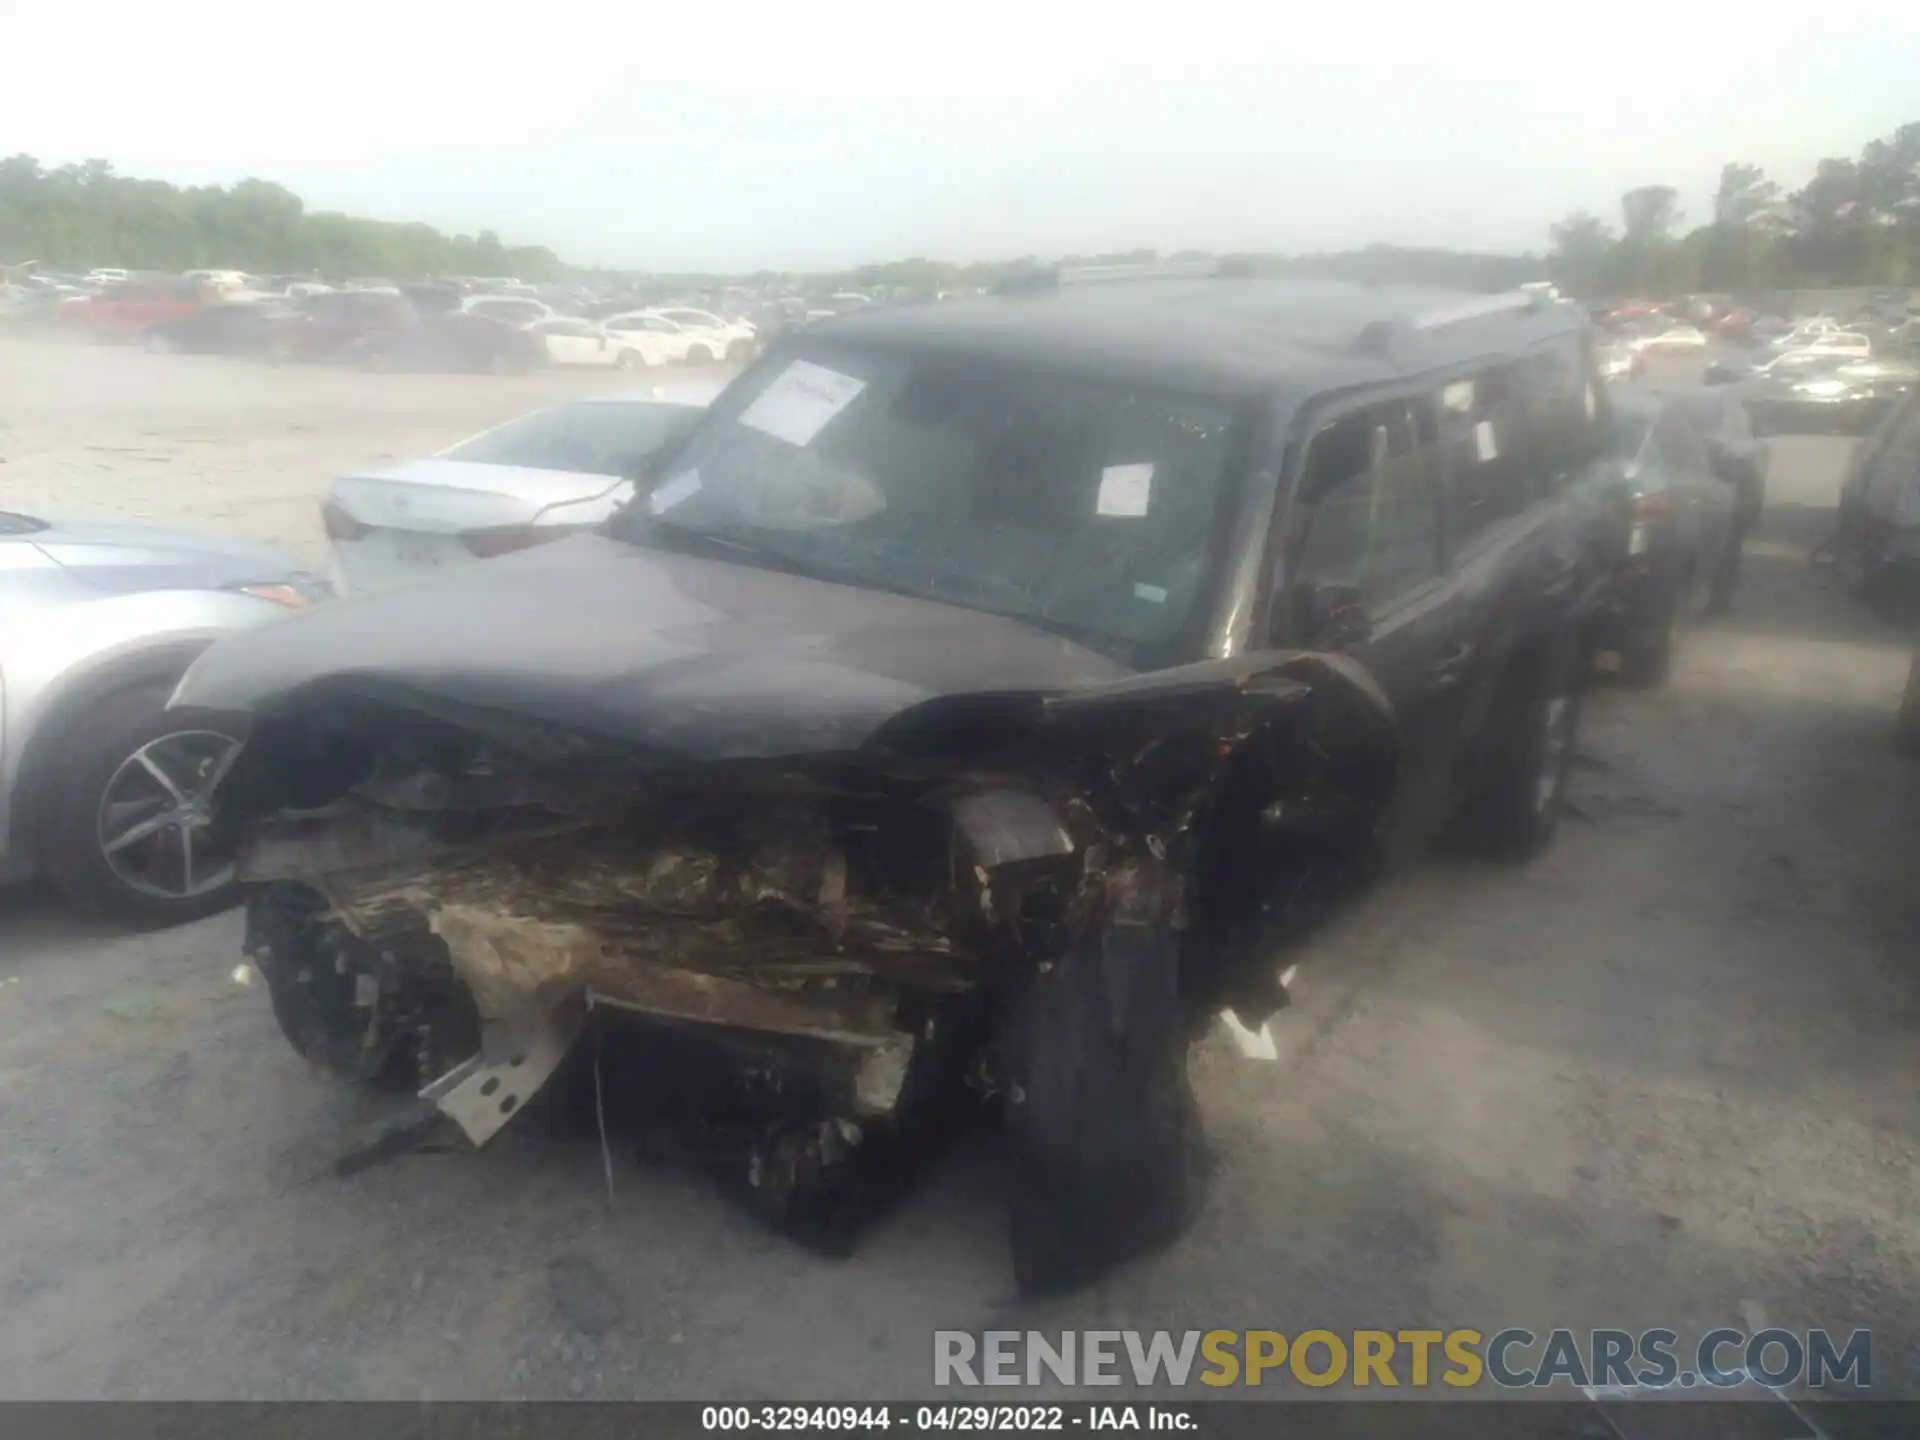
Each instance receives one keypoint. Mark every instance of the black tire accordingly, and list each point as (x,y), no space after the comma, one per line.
(630,360)
(1528,748)
(739,352)
(699,355)
(1906,723)
(72,851)
(1646,657)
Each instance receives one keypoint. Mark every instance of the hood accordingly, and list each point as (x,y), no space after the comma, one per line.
(125,559)
(446,496)
(694,658)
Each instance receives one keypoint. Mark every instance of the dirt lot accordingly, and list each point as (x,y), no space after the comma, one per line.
(1665,1075)
(208,442)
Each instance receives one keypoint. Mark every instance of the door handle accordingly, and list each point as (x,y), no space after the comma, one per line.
(1452,664)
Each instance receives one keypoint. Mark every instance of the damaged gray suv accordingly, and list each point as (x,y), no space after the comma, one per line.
(960,716)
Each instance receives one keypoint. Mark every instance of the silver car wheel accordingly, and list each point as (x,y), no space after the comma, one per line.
(1553,750)
(156,815)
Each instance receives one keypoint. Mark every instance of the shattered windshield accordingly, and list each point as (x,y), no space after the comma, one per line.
(587,437)
(1082,505)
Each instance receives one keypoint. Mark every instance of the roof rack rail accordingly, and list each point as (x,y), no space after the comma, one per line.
(1053,276)
(1383,336)
(1147,270)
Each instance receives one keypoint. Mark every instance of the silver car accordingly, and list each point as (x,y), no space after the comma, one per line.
(102,788)
(544,476)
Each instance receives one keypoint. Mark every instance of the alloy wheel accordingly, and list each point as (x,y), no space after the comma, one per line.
(1556,735)
(156,822)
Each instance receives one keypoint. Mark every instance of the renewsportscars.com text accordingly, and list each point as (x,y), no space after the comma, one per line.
(1512,1358)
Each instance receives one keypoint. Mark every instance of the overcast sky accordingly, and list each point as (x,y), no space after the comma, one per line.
(814,135)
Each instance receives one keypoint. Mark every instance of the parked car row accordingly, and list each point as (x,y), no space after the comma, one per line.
(429,325)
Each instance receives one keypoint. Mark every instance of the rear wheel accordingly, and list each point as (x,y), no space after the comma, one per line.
(1646,657)
(1906,724)
(629,360)
(1725,577)
(1530,740)
(131,828)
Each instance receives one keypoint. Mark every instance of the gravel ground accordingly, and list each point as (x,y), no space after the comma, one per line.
(1664,1075)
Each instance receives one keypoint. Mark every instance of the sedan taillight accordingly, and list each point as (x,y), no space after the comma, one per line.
(505,539)
(340,525)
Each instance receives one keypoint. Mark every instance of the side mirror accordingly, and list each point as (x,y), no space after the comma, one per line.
(1333,615)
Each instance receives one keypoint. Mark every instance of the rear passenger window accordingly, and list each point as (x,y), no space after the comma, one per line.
(1371,493)
(1483,431)
(1564,403)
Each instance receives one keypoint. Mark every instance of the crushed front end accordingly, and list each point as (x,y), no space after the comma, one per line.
(1030,902)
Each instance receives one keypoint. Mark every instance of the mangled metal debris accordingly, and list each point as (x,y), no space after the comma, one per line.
(1039,902)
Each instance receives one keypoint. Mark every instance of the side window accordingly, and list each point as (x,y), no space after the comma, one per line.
(661,327)
(1564,403)
(1371,498)
(1483,430)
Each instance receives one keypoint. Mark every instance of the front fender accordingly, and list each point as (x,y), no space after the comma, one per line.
(58,669)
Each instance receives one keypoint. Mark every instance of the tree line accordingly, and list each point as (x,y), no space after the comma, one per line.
(1855,222)
(84,215)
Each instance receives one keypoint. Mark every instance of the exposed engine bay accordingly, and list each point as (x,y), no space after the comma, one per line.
(1015,904)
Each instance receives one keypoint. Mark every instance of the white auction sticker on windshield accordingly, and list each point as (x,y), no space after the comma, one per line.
(671,492)
(1125,490)
(1484,445)
(800,401)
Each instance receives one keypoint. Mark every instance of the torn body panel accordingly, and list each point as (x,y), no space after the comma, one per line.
(1039,897)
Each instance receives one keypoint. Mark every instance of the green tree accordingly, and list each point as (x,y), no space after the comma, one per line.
(1584,259)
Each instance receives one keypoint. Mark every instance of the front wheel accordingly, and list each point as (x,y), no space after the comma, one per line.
(740,351)
(629,360)
(131,828)
(699,355)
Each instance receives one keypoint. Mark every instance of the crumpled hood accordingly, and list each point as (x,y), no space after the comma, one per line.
(697,658)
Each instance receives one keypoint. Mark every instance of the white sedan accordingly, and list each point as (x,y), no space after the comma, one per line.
(695,344)
(733,340)
(583,342)
(539,478)
(509,309)
(1675,337)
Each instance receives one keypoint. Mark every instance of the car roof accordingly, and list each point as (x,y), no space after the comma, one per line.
(1234,334)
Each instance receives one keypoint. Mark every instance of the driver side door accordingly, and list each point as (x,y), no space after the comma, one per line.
(1365,573)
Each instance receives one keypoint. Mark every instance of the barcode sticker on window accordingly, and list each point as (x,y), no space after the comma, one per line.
(1125,490)
(800,401)
(1484,445)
